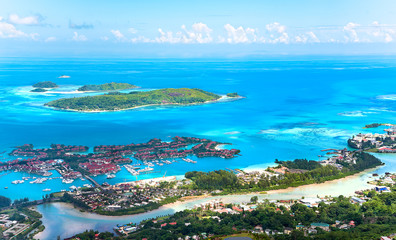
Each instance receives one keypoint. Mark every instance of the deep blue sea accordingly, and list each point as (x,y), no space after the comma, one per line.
(294,107)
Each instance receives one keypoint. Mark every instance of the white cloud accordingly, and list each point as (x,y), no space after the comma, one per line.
(132,30)
(30,20)
(105,38)
(308,37)
(199,33)
(8,30)
(239,35)
(117,34)
(277,33)
(79,38)
(141,39)
(350,30)
(50,39)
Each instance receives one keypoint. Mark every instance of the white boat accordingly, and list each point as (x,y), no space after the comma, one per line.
(67,181)
(47,190)
(64,76)
(146,169)
(17,181)
(110,176)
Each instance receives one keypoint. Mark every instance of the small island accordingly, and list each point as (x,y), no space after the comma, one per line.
(45,84)
(39,90)
(116,101)
(233,95)
(113,86)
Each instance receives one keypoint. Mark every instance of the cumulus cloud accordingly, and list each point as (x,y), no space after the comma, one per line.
(80,26)
(277,33)
(29,20)
(79,38)
(239,35)
(351,33)
(308,37)
(199,33)
(117,34)
(8,30)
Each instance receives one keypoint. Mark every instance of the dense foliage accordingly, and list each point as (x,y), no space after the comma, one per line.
(232,94)
(214,180)
(229,183)
(119,101)
(300,164)
(39,90)
(113,86)
(45,84)
(4,201)
(373,125)
(373,219)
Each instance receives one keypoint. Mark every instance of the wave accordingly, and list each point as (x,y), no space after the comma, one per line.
(391,97)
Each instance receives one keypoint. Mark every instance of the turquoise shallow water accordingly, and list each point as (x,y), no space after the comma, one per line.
(293,108)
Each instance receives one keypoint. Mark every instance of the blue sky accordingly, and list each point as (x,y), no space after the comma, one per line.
(196,28)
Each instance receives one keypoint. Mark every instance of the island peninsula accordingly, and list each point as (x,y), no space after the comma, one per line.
(116,101)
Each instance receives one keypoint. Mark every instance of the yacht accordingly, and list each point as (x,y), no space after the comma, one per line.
(67,181)
(110,176)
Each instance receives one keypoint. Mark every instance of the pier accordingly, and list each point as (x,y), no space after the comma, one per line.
(93,181)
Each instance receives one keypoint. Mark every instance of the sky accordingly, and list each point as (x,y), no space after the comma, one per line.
(180,28)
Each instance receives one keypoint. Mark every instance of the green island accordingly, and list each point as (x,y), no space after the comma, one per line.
(45,84)
(374,125)
(116,101)
(39,90)
(113,86)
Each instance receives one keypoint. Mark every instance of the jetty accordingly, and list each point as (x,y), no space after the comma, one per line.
(93,181)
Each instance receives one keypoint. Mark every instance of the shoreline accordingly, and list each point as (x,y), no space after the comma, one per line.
(264,194)
(223,98)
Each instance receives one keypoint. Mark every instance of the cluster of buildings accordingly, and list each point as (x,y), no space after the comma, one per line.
(129,195)
(342,155)
(11,228)
(106,158)
(382,142)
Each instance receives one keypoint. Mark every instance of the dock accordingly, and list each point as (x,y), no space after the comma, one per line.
(93,181)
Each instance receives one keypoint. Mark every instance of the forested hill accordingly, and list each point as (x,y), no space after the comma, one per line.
(113,86)
(119,101)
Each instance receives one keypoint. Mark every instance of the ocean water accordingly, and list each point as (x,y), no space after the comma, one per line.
(293,108)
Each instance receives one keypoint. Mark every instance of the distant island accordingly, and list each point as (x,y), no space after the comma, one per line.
(232,94)
(39,90)
(45,84)
(41,86)
(113,86)
(116,101)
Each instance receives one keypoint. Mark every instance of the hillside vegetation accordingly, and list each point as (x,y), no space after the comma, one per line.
(113,86)
(119,101)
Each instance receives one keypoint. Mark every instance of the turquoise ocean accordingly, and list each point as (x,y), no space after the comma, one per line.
(293,108)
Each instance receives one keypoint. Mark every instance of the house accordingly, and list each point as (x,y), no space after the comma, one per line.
(382,189)
(357,200)
(385,238)
(287,230)
(324,226)
(300,227)
(258,229)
